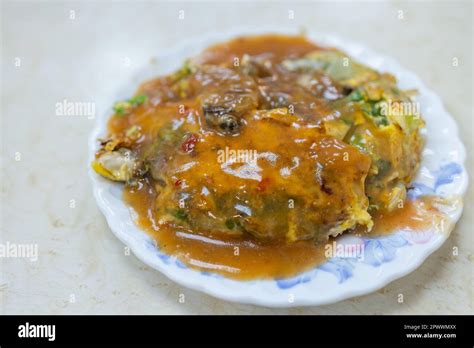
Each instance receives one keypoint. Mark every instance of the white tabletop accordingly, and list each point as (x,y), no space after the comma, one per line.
(50,54)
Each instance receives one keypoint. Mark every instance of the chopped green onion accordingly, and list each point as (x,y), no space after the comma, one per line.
(356,96)
(230,224)
(138,100)
(121,107)
(180,214)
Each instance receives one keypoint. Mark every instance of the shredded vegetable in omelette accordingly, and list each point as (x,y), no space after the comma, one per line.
(266,138)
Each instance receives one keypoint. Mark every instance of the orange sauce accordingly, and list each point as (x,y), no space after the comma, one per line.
(415,215)
(235,257)
(246,258)
(280,46)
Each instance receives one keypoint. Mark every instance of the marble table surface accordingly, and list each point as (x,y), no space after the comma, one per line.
(56,51)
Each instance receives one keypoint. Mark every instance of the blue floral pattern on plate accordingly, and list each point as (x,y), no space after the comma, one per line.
(443,176)
(376,250)
(443,146)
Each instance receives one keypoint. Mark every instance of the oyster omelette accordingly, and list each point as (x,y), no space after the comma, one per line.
(265,145)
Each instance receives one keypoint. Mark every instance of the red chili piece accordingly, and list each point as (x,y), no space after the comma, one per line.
(189,143)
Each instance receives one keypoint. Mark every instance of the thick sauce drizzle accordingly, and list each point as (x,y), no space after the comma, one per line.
(236,257)
(415,215)
(246,258)
(243,256)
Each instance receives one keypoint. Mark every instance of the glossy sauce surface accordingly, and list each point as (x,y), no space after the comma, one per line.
(246,258)
(194,168)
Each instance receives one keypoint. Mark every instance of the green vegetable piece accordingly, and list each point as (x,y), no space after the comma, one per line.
(180,214)
(356,96)
(138,100)
(121,107)
(230,224)
(383,167)
(359,141)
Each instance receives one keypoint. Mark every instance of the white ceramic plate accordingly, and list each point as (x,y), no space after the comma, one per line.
(442,173)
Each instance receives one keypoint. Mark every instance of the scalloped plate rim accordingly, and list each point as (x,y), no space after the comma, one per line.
(270,300)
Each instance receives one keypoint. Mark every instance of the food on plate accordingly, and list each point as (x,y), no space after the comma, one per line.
(268,145)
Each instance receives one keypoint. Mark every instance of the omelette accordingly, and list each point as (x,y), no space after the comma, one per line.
(268,138)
